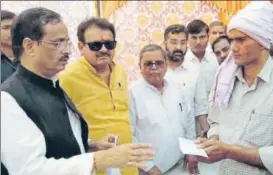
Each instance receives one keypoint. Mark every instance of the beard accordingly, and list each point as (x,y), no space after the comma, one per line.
(176,55)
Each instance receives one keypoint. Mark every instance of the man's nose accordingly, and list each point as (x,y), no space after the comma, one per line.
(103,48)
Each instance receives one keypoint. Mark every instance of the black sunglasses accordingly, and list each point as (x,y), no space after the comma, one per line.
(97,45)
(157,63)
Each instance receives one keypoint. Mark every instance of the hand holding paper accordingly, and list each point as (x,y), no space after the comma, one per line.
(189,147)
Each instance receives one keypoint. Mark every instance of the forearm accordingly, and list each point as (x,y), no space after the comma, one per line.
(246,155)
(203,123)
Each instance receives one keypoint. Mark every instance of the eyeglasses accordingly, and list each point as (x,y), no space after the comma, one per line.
(97,45)
(59,44)
(157,63)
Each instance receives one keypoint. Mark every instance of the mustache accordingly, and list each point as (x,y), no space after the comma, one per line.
(178,51)
(65,57)
(102,54)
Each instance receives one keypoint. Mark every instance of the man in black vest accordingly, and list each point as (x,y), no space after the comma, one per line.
(8,64)
(41,130)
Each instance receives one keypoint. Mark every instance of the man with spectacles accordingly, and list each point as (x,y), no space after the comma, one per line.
(160,114)
(42,132)
(8,63)
(98,86)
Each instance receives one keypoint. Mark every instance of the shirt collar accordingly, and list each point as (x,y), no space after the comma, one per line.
(181,66)
(147,84)
(55,80)
(46,83)
(192,57)
(91,68)
(266,72)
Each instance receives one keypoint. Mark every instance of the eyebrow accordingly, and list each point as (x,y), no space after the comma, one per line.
(178,40)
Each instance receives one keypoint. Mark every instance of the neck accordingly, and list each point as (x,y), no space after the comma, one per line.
(102,69)
(159,87)
(35,70)
(8,52)
(251,71)
(173,65)
(200,55)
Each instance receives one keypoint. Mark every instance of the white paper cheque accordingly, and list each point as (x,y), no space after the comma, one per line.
(189,147)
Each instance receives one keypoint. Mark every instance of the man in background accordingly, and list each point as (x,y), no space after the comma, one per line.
(198,57)
(175,42)
(216,29)
(221,48)
(8,63)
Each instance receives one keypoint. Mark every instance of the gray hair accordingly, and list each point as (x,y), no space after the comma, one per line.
(149,48)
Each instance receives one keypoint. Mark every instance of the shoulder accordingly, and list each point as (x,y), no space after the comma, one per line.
(72,70)
(137,84)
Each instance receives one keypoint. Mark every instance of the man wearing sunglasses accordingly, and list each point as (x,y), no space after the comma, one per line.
(160,113)
(98,86)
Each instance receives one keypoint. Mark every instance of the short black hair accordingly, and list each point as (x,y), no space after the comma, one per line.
(5,14)
(30,24)
(149,48)
(218,40)
(98,22)
(175,29)
(196,26)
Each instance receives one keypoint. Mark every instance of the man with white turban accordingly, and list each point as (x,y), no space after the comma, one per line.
(241,105)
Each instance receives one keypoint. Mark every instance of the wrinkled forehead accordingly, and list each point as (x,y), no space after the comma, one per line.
(223,43)
(152,55)
(54,31)
(218,28)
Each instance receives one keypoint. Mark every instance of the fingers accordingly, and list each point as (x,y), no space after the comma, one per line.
(140,145)
(193,168)
(200,140)
(108,145)
(207,144)
(141,151)
(209,150)
(140,165)
(112,138)
(203,159)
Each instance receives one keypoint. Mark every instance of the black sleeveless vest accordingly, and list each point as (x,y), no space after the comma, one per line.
(46,105)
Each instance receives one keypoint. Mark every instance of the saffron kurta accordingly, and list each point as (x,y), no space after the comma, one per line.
(104,107)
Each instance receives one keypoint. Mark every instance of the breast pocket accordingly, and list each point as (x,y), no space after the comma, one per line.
(259,131)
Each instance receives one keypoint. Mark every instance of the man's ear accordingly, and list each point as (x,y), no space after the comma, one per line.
(28,46)
(81,46)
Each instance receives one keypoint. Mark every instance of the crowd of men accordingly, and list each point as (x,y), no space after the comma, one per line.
(209,83)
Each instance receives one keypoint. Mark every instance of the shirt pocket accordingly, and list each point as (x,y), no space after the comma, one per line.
(259,131)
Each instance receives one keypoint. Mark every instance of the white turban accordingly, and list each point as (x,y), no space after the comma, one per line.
(255,20)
